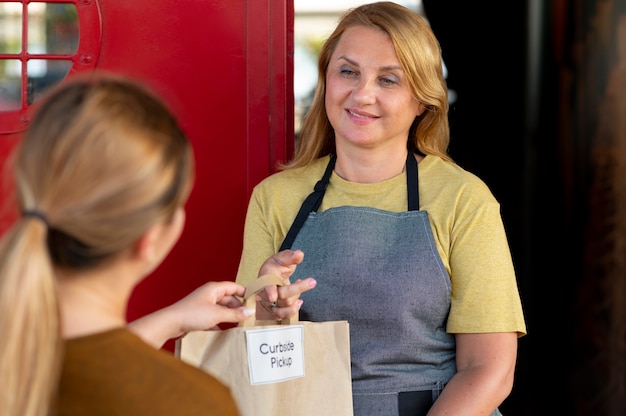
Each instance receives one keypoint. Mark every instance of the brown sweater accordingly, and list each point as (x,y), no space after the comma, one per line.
(116,373)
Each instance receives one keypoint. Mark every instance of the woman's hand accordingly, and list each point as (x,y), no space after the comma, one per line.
(202,309)
(278,302)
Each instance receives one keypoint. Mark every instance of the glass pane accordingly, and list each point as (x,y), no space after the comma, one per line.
(10,27)
(52,28)
(10,85)
(44,74)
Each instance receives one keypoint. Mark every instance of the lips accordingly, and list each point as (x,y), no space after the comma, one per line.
(360,115)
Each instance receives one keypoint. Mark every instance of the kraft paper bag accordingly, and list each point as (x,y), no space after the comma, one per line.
(291,368)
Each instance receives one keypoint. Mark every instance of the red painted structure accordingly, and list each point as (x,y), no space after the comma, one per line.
(226,69)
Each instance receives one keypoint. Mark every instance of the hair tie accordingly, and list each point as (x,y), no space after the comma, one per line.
(36,214)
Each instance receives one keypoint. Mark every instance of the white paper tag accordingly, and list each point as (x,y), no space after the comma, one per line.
(275,354)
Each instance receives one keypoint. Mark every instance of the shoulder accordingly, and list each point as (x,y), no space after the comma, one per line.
(292,182)
(312,171)
(443,178)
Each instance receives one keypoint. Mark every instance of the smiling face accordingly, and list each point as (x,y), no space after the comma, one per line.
(368,100)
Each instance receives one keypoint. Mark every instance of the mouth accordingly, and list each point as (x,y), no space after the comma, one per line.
(359,115)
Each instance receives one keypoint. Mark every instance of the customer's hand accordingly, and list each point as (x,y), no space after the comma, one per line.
(202,309)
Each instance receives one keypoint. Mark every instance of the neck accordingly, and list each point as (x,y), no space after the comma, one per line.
(370,169)
(95,301)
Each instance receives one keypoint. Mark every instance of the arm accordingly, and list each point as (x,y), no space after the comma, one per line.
(484,378)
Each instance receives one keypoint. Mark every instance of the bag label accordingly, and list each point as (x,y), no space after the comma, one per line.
(275,354)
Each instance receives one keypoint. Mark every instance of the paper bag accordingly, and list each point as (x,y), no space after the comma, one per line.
(295,368)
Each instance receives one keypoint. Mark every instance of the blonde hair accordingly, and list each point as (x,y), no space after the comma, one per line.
(419,54)
(102,161)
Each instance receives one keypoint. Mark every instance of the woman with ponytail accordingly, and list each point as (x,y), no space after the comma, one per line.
(101,178)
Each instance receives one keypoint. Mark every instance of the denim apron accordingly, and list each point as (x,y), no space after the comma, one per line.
(382,273)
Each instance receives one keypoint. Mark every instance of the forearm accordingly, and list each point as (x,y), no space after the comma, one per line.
(471,393)
(484,378)
(157,327)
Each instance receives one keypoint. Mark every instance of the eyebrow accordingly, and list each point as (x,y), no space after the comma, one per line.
(384,68)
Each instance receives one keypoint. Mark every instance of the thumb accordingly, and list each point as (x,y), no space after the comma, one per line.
(233,315)
(244,312)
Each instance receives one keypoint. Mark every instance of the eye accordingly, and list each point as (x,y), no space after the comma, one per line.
(388,80)
(347,72)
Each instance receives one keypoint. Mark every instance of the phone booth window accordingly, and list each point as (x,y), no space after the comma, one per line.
(41,43)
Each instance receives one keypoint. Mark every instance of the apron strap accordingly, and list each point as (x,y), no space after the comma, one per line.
(310,204)
(314,200)
(411,182)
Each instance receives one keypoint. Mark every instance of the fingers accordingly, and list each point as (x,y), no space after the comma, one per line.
(288,258)
(224,314)
(230,302)
(213,315)
(282,263)
(290,293)
(284,301)
(225,289)
(239,314)
(287,311)
(222,293)
(271,293)
(208,306)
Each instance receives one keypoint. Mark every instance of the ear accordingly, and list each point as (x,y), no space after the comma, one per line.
(421,107)
(146,247)
(158,240)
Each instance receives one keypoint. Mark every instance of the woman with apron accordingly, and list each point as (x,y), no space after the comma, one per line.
(404,244)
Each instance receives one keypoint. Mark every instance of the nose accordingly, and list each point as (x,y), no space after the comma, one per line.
(364,91)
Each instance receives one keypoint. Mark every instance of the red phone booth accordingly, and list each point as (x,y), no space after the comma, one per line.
(225,68)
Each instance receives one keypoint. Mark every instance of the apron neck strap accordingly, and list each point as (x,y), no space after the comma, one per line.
(310,204)
(314,200)
(411,182)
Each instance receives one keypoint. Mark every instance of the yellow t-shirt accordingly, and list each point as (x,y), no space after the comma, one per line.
(465,220)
